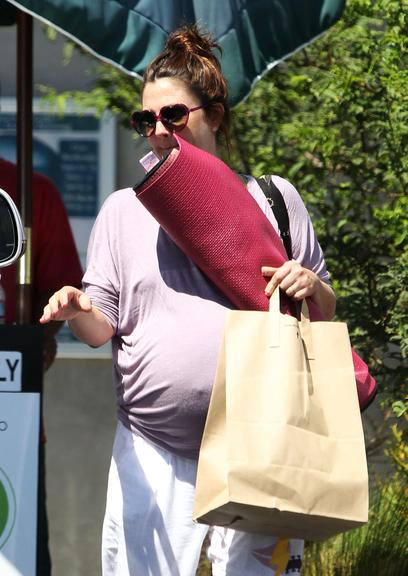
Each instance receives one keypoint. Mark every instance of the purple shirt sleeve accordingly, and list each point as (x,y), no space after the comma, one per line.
(305,246)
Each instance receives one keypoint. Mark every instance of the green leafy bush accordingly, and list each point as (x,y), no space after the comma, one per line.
(334,120)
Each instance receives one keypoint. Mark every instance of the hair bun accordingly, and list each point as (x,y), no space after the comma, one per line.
(191,40)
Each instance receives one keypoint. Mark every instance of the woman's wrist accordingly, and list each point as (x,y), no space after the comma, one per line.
(325,298)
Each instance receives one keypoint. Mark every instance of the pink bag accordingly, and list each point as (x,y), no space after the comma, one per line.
(208,212)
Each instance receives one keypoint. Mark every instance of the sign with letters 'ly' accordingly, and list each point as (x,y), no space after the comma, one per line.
(21,359)
(10,371)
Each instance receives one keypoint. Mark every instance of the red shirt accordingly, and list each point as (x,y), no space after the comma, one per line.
(55,258)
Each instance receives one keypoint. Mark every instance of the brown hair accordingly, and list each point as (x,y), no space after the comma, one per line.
(188,56)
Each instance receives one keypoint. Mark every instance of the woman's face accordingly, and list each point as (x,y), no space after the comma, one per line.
(201,129)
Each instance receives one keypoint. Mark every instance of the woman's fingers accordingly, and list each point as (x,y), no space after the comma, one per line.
(65,304)
(267,272)
(84,302)
(277,275)
(292,278)
(300,294)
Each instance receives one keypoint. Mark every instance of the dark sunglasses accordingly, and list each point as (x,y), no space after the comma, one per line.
(174,118)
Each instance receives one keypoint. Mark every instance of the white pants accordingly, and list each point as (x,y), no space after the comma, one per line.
(148,528)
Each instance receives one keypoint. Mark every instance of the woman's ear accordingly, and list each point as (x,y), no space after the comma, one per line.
(216,115)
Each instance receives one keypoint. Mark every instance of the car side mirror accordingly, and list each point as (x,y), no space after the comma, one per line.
(12,237)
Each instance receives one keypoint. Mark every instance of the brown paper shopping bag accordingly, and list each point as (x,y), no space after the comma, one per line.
(283,448)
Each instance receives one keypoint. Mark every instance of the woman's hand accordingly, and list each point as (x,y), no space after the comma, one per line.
(66,304)
(88,323)
(299,283)
(292,278)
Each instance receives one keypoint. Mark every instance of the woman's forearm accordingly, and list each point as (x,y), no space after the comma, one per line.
(91,327)
(325,298)
(85,320)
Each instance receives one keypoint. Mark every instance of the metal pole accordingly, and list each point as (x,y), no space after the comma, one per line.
(24,159)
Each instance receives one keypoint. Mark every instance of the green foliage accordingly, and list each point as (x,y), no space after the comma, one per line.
(334,120)
(113,90)
(204,566)
(397,447)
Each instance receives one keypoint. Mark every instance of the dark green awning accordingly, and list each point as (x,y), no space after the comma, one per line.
(255,34)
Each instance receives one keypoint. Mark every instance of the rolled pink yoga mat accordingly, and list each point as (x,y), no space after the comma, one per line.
(208,212)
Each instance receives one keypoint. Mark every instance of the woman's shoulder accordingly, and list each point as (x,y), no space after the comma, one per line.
(119,197)
(119,202)
(122,211)
(285,187)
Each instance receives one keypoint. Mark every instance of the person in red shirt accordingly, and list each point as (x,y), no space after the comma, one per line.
(55,262)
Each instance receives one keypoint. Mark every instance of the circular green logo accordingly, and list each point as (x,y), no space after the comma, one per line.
(7,508)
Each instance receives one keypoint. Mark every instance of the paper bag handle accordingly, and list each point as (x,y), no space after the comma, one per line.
(304,324)
(306,337)
(306,331)
(274,324)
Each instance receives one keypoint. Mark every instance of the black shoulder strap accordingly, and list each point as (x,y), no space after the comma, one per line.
(277,203)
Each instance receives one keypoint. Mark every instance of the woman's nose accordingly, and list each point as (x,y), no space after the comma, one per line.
(161,129)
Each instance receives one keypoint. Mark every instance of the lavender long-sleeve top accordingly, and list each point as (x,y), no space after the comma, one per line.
(168,318)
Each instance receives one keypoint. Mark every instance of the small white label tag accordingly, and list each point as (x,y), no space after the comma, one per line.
(10,371)
(149,161)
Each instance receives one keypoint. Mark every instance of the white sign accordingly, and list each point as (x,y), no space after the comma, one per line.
(19,439)
(10,371)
